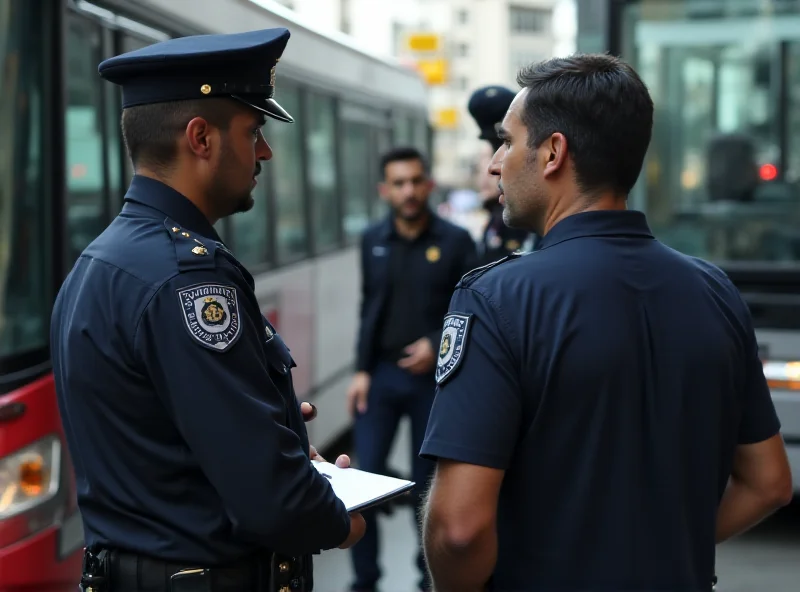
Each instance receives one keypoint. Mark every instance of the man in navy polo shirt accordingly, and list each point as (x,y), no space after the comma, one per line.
(602,418)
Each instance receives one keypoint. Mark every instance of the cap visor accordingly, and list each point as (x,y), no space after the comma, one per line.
(270,107)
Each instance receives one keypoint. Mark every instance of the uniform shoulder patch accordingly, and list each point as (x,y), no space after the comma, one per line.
(470,277)
(451,348)
(211,315)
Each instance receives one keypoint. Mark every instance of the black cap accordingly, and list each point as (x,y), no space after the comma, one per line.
(488,106)
(237,65)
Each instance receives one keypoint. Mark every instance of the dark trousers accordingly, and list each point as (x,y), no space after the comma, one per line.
(393,393)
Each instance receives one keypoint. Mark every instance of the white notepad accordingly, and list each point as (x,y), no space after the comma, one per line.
(360,490)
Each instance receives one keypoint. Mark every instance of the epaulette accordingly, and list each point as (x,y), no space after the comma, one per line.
(192,252)
(468,278)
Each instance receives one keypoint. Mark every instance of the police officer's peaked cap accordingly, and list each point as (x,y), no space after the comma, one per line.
(237,65)
(488,106)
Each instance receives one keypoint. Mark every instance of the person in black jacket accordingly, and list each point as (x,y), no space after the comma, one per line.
(411,262)
(488,106)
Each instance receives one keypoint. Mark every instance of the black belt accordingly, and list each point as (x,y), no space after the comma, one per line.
(131,572)
(121,571)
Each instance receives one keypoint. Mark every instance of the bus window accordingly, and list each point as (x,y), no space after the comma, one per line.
(249,229)
(25,278)
(793,162)
(85,197)
(128,43)
(285,171)
(401,135)
(712,184)
(321,147)
(383,142)
(420,128)
(358,192)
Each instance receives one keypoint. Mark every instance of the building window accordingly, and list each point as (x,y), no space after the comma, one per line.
(462,50)
(528,21)
(398,40)
(521,59)
(462,16)
(344,17)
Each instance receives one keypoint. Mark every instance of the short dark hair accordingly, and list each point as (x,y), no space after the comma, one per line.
(601,106)
(151,131)
(402,153)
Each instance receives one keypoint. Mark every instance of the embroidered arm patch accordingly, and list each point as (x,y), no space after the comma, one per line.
(211,315)
(451,348)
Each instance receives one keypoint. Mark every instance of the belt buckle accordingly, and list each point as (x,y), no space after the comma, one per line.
(190,580)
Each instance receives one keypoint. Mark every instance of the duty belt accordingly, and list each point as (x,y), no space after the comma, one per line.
(120,571)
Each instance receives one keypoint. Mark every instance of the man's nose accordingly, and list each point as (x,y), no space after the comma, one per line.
(263,149)
(497,161)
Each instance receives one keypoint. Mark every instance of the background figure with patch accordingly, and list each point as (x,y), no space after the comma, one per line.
(488,106)
(410,264)
(176,394)
(603,420)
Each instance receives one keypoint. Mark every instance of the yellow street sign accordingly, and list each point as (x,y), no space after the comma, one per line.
(423,42)
(446,118)
(434,71)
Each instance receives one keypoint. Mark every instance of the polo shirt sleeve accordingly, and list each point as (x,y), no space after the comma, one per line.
(475,417)
(759,419)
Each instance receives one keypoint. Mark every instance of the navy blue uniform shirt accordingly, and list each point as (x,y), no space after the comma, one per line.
(177,399)
(424,275)
(611,378)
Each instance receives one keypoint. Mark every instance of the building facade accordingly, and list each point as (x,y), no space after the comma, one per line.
(458,46)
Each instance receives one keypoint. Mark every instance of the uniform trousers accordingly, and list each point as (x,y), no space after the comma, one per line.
(393,394)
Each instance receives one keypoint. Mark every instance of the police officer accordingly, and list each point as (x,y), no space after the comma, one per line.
(190,450)
(487,106)
(602,420)
(410,264)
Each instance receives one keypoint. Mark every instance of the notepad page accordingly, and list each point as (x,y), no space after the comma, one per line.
(355,487)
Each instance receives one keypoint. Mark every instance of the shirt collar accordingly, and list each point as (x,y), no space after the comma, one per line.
(434,226)
(172,204)
(619,223)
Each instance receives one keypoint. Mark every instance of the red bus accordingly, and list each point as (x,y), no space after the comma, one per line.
(40,529)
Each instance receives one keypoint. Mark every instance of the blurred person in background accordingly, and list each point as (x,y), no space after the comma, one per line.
(488,106)
(410,264)
(466,210)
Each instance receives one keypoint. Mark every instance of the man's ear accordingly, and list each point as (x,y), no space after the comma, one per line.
(201,137)
(554,151)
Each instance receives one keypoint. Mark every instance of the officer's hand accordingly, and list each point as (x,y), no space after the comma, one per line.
(357,393)
(357,529)
(308,410)
(342,461)
(420,357)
